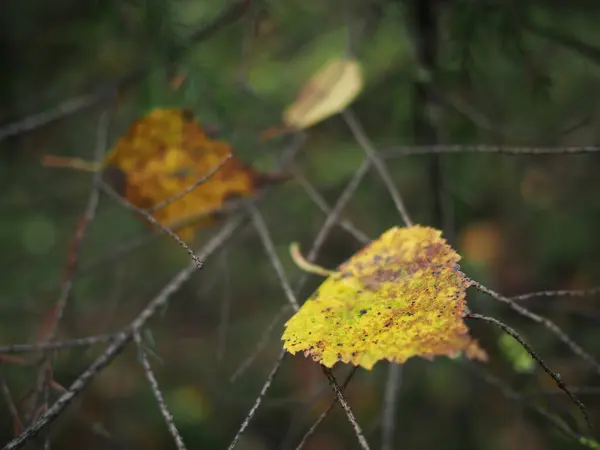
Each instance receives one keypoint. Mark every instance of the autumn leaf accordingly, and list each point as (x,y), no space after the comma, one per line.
(167,152)
(403,295)
(328,92)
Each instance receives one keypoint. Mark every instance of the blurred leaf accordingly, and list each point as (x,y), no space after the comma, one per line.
(188,404)
(521,361)
(328,92)
(403,295)
(165,153)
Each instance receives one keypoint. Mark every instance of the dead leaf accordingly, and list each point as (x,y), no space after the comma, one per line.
(401,296)
(328,92)
(167,151)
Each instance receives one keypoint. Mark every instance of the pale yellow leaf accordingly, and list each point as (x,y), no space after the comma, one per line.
(328,92)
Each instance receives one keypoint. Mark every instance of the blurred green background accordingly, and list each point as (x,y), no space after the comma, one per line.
(513,73)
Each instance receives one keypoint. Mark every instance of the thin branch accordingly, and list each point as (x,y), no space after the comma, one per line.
(559,293)
(234,10)
(340,396)
(123,338)
(191,187)
(396,152)
(12,409)
(262,343)
(225,310)
(568,41)
(57,345)
(88,217)
(63,109)
(258,400)
(470,112)
(580,390)
(392,386)
(158,394)
(130,206)
(547,323)
(318,200)
(363,140)
(555,376)
(134,243)
(265,237)
(325,413)
(74,253)
(511,394)
(333,217)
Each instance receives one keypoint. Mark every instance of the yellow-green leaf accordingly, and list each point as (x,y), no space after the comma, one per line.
(403,295)
(328,92)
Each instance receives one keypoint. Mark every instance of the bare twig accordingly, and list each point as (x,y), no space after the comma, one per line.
(325,413)
(285,161)
(234,10)
(388,419)
(363,140)
(262,343)
(547,323)
(131,245)
(258,400)
(191,187)
(225,310)
(265,237)
(340,396)
(12,409)
(511,394)
(158,394)
(559,293)
(579,390)
(73,255)
(123,338)
(130,206)
(318,200)
(494,149)
(63,109)
(333,216)
(88,217)
(57,345)
(555,376)
(469,111)
(335,213)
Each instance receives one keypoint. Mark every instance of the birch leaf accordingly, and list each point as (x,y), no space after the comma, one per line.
(328,92)
(166,152)
(403,295)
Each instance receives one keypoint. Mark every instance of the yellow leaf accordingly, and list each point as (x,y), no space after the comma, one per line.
(165,153)
(403,295)
(328,92)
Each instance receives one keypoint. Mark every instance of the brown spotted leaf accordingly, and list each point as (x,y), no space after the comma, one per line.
(401,296)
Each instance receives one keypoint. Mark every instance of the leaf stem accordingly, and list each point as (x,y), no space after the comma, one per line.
(306,265)
(72,163)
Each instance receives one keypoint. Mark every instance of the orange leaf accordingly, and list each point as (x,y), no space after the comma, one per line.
(165,153)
